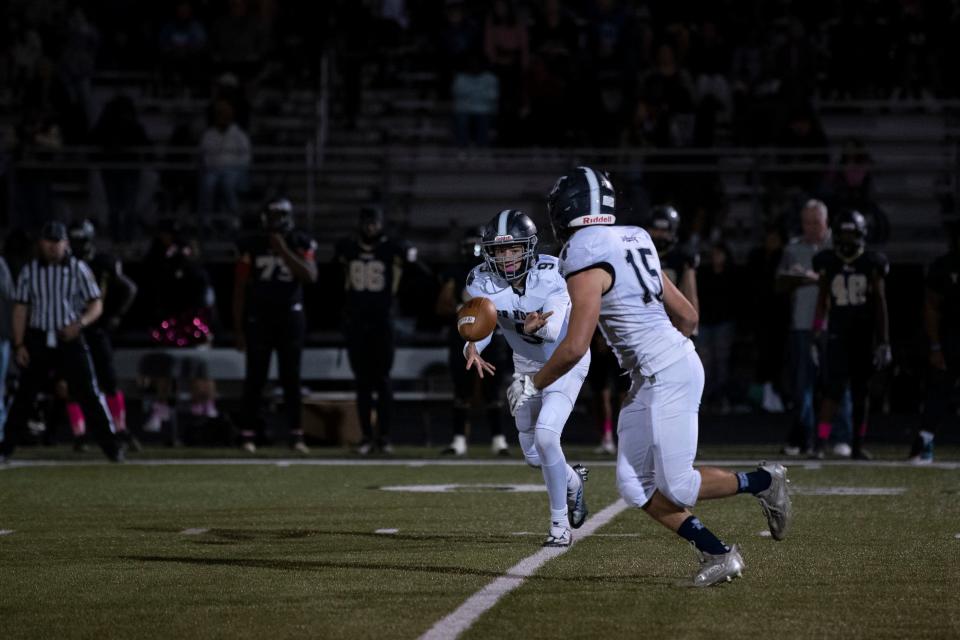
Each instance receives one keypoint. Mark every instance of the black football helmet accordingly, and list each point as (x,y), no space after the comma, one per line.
(471,246)
(583,197)
(849,234)
(81,234)
(663,224)
(371,222)
(509,228)
(277,216)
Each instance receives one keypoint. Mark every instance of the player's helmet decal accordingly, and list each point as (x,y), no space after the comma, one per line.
(583,197)
(850,234)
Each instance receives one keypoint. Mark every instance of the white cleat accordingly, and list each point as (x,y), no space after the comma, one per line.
(498,446)
(576,504)
(720,568)
(775,500)
(559,536)
(457,448)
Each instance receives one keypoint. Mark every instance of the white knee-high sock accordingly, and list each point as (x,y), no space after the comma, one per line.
(555,467)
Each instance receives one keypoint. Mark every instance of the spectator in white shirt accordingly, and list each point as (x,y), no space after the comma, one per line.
(225,160)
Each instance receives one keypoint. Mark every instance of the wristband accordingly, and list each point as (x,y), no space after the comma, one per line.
(819,324)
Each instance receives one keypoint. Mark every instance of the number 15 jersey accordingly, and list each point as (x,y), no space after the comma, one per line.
(632,316)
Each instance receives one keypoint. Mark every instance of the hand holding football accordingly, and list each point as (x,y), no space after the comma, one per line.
(476,319)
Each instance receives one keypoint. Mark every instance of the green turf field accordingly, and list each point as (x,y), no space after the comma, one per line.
(275,550)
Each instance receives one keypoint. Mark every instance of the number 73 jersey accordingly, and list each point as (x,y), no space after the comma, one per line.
(632,316)
(850,284)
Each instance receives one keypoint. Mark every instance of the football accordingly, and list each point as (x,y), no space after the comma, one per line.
(476,319)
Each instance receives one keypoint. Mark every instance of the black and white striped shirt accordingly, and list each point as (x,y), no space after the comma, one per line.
(56,293)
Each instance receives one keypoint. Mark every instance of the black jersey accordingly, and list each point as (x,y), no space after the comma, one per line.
(852,295)
(107,270)
(677,260)
(943,278)
(271,284)
(371,274)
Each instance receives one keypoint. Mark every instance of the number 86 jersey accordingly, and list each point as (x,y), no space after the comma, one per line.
(632,316)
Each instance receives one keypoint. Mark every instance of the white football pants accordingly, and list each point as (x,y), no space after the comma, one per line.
(658,432)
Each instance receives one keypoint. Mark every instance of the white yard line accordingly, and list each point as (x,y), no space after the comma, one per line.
(484,600)
(408,462)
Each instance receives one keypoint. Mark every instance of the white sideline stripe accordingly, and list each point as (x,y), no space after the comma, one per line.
(414,463)
(387,531)
(596,535)
(194,532)
(6,532)
(482,601)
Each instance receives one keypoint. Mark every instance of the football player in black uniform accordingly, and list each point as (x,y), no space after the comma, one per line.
(372,266)
(274,264)
(678,262)
(118,291)
(941,315)
(449,300)
(853,295)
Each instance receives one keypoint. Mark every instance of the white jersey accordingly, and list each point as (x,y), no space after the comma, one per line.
(632,316)
(544,290)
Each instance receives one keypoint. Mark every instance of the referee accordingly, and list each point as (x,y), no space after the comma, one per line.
(47,336)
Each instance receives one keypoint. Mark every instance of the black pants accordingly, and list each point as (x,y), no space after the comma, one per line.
(101,352)
(370,350)
(849,361)
(71,361)
(465,385)
(283,333)
(940,385)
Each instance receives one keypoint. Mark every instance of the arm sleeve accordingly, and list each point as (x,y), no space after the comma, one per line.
(22,294)
(481,344)
(88,284)
(475,290)
(6,282)
(559,302)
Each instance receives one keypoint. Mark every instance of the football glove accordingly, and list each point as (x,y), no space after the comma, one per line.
(882,356)
(519,391)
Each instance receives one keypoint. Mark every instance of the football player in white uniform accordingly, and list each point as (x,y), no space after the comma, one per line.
(532,311)
(614,278)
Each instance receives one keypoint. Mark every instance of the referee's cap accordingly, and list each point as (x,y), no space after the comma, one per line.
(54,231)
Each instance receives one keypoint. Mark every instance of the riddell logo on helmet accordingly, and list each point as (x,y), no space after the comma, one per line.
(596,220)
(502,238)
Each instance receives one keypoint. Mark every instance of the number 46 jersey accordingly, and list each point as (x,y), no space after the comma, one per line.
(632,316)
(851,289)
(544,290)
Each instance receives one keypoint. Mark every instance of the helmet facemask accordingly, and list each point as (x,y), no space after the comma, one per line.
(849,244)
(512,265)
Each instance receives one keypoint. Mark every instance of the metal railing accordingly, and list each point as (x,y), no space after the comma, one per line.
(312,171)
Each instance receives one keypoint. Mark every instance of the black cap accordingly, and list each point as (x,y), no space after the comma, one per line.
(54,231)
